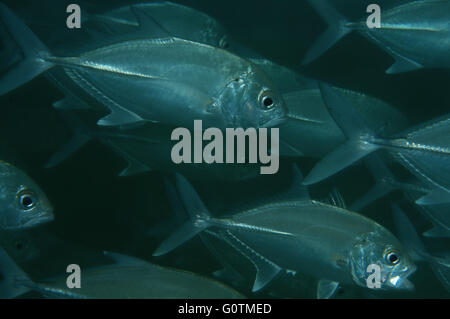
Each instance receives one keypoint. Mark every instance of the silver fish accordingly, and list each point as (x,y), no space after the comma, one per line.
(310,130)
(166,79)
(424,150)
(416,34)
(145,149)
(182,21)
(127,277)
(320,240)
(385,182)
(417,250)
(23,204)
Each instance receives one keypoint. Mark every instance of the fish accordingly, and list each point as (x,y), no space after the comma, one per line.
(309,130)
(424,149)
(162,79)
(385,182)
(126,278)
(417,249)
(23,204)
(326,242)
(416,34)
(144,149)
(182,21)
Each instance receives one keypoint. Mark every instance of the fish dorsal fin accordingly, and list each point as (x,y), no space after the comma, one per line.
(407,234)
(335,198)
(326,289)
(148,24)
(297,190)
(266,270)
(124,260)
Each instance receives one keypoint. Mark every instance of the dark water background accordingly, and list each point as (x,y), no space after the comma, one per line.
(96,210)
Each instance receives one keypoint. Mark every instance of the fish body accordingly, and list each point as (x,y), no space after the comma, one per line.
(182,21)
(424,149)
(23,204)
(416,34)
(127,278)
(320,240)
(167,80)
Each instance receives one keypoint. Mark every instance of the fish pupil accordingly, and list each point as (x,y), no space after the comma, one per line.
(268,102)
(27,201)
(393,258)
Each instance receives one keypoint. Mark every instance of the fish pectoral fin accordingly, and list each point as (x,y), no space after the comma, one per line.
(266,270)
(403,64)
(326,289)
(297,190)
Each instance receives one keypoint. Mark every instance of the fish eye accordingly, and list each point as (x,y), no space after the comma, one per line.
(392,257)
(266,100)
(26,200)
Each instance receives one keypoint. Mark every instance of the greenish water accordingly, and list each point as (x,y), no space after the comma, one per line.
(97,210)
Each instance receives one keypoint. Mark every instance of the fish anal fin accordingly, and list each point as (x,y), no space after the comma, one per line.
(119,117)
(266,270)
(403,64)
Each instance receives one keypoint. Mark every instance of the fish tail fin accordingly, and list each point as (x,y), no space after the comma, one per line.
(382,176)
(34,53)
(337,29)
(358,135)
(10,275)
(80,136)
(199,218)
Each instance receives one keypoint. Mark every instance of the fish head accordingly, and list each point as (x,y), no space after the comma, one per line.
(380,256)
(255,102)
(23,204)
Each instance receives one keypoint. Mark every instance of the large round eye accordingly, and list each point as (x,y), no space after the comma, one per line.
(26,200)
(266,100)
(392,257)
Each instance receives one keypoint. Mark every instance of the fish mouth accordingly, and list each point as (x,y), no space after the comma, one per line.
(402,281)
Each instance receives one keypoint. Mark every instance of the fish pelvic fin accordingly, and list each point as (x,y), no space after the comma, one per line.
(358,135)
(337,29)
(199,218)
(11,276)
(34,53)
